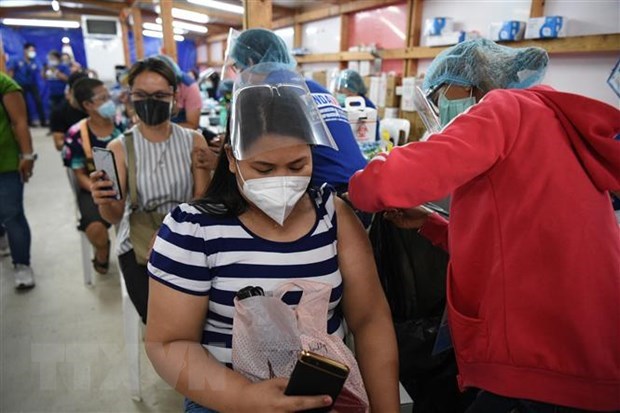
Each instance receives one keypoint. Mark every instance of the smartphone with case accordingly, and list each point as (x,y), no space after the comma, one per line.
(104,161)
(316,375)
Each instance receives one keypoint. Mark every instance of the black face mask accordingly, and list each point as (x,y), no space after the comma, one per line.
(152,111)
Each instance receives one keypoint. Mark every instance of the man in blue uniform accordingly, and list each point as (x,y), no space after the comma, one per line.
(24,71)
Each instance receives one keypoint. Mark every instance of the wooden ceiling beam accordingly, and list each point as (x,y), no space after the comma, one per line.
(331,10)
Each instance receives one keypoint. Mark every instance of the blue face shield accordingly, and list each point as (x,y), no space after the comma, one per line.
(449,109)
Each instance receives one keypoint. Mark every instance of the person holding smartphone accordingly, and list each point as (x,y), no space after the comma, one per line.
(262,223)
(166,168)
(95,131)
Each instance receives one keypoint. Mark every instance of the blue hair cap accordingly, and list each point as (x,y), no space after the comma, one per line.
(256,46)
(487,65)
(351,80)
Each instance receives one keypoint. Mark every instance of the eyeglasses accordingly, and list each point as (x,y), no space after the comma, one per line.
(157,96)
(101,98)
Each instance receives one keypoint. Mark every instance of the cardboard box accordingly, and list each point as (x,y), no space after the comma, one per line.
(391,98)
(437,26)
(445,39)
(547,27)
(511,30)
(374,89)
(363,120)
(320,77)
(408,89)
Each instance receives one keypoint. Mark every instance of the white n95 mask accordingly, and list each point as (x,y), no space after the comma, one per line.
(276,196)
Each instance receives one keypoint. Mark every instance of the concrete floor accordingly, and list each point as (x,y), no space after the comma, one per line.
(61,344)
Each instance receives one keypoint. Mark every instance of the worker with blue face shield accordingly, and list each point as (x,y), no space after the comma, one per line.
(331,166)
(533,279)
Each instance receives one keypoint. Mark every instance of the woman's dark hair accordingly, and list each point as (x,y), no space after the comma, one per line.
(152,65)
(83,90)
(263,111)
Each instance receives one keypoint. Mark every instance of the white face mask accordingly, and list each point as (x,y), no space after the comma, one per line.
(276,196)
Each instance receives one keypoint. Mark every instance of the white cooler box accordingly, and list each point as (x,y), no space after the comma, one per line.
(363,120)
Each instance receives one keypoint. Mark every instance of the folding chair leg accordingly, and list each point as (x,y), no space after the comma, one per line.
(132,324)
(87,268)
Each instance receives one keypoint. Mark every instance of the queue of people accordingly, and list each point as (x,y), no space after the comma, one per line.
(534,273)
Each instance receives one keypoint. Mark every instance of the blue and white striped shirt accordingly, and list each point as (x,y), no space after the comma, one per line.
(203,254)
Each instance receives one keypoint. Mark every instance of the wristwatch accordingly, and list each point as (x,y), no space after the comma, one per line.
(28,156)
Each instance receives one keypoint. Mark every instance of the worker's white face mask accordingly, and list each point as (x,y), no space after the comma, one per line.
(276,196)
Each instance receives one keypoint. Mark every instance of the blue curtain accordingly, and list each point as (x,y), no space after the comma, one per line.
(44,39)
(186,50)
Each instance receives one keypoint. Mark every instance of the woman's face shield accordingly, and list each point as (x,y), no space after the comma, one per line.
(230,69)
(275,103)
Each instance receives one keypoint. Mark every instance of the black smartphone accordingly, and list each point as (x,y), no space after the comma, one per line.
(104,161)
(316,375)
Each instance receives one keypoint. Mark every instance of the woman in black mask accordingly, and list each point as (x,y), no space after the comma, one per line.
(156,171)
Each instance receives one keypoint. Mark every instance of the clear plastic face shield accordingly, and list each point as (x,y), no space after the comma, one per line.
(427,109)
(271,101)
(229,69)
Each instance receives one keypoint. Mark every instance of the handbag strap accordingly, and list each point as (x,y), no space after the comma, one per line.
(131,169)
(88,151)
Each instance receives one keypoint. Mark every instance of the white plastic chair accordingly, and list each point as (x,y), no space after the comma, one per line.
(86,249)
(396,127)
(133,341)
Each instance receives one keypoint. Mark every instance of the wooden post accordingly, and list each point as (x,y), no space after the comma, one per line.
(137,32)
(123,18)
(414,28)
(170,46)
(257,13)
(344,36)
(537,8)
(297,40)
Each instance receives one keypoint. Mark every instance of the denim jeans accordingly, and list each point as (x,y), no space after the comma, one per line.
(191,407)
(488,402)
(12,216)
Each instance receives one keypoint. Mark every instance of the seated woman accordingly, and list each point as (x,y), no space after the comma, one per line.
(259,224)
(166,173)
(97,130)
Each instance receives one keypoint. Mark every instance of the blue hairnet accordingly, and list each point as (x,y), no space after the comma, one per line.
(256,46)
(351,80)
(486,65)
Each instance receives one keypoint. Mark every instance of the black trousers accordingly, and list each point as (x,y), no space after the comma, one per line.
(136,281)
(492,403)
(33,90)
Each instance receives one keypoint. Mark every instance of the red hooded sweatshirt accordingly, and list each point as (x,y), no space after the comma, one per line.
(534,277)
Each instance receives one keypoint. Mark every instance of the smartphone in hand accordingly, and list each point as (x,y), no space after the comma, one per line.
(316,375)
(104,161)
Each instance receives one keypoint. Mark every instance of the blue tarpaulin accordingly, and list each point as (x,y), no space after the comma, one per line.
(47,39)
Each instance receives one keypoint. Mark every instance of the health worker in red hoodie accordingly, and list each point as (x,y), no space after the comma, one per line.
(534,279)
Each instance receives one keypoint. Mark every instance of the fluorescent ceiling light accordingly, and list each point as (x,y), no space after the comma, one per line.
(186,26)
(24,3)
(186,15)
(220,5)
(55,5)
(159,28)
(160,35)
(42,23)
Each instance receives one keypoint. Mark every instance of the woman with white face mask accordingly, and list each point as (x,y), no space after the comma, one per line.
(95,131)
(260,224)
(159,156)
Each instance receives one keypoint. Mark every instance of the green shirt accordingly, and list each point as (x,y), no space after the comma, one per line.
(9,149)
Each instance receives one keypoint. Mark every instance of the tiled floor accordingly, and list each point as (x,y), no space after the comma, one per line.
(61,344)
